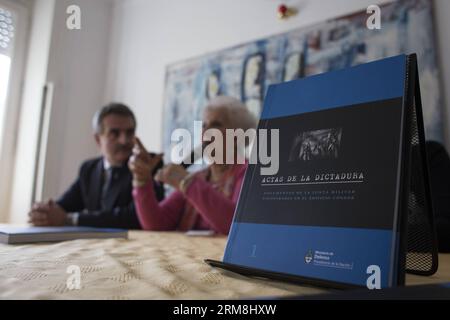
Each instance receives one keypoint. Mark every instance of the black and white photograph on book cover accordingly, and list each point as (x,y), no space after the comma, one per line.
(315,145)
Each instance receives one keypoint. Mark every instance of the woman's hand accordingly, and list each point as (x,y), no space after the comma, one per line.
(172,175)
(142,164)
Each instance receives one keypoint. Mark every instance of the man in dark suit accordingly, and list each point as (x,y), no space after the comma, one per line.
(102,194)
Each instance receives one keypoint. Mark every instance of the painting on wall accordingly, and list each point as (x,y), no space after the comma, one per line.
(246,71)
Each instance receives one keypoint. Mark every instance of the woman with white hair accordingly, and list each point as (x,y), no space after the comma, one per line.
(204,200)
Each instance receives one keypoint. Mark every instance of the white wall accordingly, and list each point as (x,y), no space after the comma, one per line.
(77,68)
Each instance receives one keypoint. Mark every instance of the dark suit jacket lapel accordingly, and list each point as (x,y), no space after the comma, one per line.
(95,186)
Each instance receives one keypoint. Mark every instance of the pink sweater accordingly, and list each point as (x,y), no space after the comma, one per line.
(215,209)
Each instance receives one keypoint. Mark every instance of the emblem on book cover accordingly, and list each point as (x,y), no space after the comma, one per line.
(309,256)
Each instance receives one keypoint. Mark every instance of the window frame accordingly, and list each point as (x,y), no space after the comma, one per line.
(22,10)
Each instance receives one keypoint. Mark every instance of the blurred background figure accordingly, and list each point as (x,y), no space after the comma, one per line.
(204,200)
(101,195)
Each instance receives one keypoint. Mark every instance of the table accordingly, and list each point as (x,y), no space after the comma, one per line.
(149,265)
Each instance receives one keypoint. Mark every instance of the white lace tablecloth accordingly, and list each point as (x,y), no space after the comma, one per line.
(149,265)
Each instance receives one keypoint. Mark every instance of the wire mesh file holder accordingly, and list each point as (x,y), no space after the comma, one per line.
(420,235)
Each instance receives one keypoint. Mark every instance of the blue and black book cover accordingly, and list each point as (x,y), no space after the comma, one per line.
(331,212)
